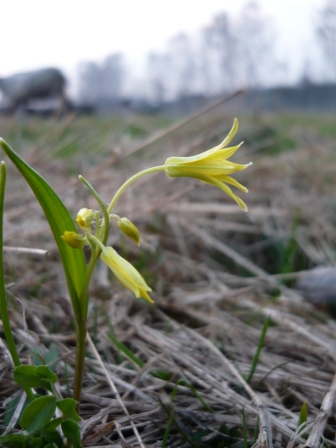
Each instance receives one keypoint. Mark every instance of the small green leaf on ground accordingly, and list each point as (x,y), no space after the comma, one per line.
(38,413)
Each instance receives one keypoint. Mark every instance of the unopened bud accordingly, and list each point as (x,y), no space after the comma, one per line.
(74,239)
(85,217)
(129,229)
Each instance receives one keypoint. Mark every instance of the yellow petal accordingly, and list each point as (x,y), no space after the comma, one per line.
(126,273)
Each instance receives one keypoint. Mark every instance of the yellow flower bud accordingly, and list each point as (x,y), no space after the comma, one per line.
(126,273)
(85,217)
(74,239)
(129,229)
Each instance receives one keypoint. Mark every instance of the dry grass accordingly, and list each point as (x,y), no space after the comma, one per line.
(213,269)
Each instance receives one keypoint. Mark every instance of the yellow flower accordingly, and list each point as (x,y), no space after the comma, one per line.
(211,166)
(126,273)
(74,239)
(85,217)
(130,230)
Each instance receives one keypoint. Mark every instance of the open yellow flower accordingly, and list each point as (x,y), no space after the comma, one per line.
(211,166)
(126,273)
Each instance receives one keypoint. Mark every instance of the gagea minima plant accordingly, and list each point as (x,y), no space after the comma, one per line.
(93,228)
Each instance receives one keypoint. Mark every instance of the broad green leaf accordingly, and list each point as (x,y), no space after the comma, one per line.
(36,442)
(59,220)
(13,441)
(38,413)
(67,406)
(53,424)
(53,438)
(26,376)
(72,433)
(45,372)
(47,384)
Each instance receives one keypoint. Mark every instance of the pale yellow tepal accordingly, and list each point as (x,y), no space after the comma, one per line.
(211,166)
(126,273)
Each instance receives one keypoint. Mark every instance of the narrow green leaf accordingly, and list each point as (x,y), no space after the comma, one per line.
(38,413)
(258,350)
(59,220)
(67,406)
(183,382)
(303,414)
(26,376)
(120,346)
(162,374)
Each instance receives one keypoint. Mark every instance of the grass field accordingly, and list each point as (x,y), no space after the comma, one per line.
(231,354)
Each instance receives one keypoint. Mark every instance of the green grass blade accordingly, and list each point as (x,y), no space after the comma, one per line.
(259,347)
(59,220)
(122,347)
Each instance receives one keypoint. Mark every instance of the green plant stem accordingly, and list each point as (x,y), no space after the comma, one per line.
(129,182)
(81,329)
(3,298)
(80,361)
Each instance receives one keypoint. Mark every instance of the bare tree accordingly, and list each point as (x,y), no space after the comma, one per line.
(220,45)
(102,82)
(157,71)
(326,32)
(181,65)
(255,45)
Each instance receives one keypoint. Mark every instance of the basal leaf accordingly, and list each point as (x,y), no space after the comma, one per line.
(59,220)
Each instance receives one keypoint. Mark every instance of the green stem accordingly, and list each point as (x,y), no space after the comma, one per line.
(3,298)
(129,182)
(81,330)
(80,362)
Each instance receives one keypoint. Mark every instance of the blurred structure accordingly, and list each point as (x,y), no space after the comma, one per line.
(36,91)
(101,85)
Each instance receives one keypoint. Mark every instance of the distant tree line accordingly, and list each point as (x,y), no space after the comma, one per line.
(225,55)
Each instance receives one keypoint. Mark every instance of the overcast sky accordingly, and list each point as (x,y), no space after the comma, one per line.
(63,33)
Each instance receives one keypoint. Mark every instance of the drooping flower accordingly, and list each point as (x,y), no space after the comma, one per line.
(211,166)
(129,229)
(74,239)
(126,273)
(85,217)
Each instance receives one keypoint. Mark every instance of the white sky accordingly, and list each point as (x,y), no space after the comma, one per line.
(63,33)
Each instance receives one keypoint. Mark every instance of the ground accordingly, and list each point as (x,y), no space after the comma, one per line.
(230,352)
